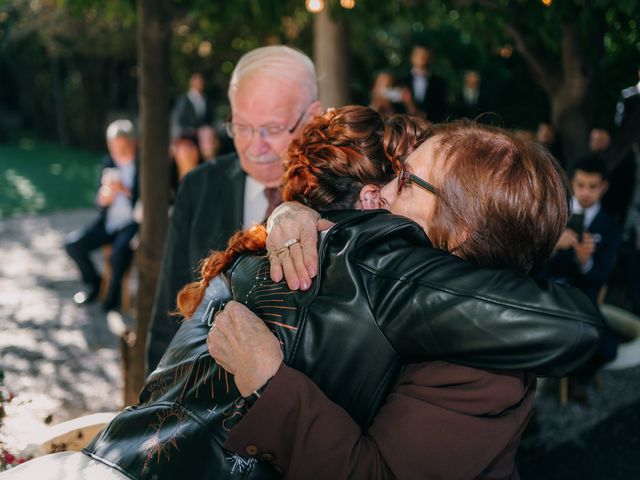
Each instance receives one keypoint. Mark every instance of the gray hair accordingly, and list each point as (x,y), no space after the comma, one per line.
(277,61)
(121,128)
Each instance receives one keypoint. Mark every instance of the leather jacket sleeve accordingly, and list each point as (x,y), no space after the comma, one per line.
(467,314)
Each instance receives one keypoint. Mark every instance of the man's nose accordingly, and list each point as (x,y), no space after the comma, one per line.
(258,144)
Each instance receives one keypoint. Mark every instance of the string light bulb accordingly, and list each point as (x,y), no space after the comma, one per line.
(547,3)
(314,6)
(348,4)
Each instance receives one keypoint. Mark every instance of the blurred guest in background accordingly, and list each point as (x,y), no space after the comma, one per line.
(185,156)
(387,98)
(585,255)
(546,136)
(209,142)
(428,90)
(115,225)
(471,101)
(192,109)
(525,134)
(621,177)
(628,103)
(599,139)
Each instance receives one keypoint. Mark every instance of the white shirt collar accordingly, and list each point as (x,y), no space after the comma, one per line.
(255,203)
(589,213)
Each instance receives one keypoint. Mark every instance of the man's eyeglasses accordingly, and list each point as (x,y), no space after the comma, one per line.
(244,131)
(405,177)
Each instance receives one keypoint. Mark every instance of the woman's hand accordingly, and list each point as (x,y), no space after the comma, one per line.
(243,345)
(293,222)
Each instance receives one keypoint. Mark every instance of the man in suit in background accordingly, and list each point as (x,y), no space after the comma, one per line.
(428,90)
(192,109)
(621,178)
(585,255)
(115,225)
(585,252)
(629,102)
(273,93)
(472,100)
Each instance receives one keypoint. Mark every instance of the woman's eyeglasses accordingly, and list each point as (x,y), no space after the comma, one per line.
(405,177)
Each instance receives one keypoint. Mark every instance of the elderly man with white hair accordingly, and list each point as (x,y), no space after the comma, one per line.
(115,225)
(273,93)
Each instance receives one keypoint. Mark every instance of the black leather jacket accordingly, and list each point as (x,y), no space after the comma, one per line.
(382,298)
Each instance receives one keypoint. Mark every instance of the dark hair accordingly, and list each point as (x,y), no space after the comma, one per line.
(188,135)
(592,163)
(507,199)
(337,154)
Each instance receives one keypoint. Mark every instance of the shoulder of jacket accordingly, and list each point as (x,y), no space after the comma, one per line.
(212,171)
(107,161)
(367,229)
(365,219)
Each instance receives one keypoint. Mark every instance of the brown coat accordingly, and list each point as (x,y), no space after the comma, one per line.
(441,421)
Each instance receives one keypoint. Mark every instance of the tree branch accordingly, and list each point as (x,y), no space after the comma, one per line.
(543,73)
(574,69)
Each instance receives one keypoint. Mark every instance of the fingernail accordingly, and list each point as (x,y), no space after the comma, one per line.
(304,285)
(312,272)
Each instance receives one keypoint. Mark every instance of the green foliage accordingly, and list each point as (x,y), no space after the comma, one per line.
(83,52)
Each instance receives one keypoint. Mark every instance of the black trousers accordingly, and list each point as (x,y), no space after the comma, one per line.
(80,243)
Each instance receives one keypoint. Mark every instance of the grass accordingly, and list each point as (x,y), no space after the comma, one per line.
(39,177)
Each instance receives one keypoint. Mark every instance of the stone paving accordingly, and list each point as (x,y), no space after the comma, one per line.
(62,361)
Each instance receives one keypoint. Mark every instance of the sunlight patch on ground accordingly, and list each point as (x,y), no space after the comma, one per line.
(29,196)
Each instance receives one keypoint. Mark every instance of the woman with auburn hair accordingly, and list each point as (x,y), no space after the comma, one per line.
(478,193)
(346,333)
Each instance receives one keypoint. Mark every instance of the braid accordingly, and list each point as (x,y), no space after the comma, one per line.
(252,240)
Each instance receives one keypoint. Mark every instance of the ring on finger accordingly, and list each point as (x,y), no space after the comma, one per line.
(291,241)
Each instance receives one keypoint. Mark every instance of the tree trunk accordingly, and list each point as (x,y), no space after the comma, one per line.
(568,89)
(331,55)
(572,124)
(154,37)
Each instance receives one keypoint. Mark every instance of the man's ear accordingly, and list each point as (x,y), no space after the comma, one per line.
(369,198)
(605,187)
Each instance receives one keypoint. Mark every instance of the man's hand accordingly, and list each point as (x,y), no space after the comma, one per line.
(584,249)
(108,191)
(568,239)
(105,196)
(299,262)
(243,345)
